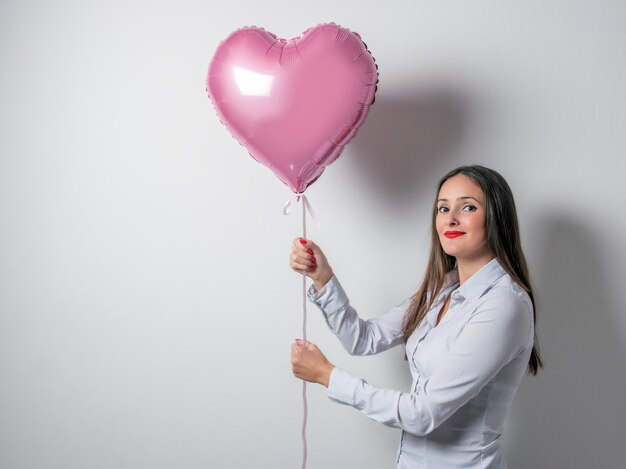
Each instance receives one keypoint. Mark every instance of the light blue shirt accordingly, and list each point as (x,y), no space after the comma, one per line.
(465,370)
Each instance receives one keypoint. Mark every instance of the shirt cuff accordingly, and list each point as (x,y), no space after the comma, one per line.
(342,386)
(330,298)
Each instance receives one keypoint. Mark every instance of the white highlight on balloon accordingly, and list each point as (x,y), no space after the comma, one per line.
(252,83)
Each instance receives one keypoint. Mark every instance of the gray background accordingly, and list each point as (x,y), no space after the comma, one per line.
(147,307)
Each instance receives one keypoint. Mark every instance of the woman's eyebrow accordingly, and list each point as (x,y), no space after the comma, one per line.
(460,198)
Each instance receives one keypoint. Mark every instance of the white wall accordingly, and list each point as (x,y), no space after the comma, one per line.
(147,308)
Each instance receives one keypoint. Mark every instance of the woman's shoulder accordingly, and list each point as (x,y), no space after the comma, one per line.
(509,308)
(508,295)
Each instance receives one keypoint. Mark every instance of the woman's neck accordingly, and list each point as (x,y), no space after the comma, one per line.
(468,267)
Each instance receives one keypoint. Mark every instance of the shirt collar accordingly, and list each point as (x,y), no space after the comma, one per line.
(478,283)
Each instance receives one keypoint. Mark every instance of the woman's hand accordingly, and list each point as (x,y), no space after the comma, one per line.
(307,257)
(309,363)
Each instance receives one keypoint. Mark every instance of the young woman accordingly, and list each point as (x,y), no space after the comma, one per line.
(468,332)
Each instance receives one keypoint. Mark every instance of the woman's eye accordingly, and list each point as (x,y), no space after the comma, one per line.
(470,208)
(442,209)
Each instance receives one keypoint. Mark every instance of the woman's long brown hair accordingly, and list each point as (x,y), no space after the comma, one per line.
(502,237)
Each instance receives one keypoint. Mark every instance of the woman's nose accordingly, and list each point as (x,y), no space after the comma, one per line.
(452,220)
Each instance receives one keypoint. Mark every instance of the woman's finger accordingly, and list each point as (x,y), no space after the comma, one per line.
(299,246)
(305,261)
(305,245)
(308,255)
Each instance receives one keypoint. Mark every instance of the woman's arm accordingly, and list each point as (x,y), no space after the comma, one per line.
(358,337)
(498,332)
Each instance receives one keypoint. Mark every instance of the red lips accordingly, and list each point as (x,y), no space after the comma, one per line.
(453,234)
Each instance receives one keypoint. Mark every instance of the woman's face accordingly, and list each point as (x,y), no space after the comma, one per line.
(460,219)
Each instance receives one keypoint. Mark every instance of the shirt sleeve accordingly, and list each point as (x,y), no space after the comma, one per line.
(358,336)
(496,333)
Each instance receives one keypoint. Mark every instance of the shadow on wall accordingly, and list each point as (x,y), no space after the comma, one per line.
(572,415)
(407,143)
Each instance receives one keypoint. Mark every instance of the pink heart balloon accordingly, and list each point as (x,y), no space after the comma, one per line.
(294,104)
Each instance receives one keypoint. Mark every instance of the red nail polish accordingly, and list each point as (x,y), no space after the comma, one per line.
(310,251)
(303,241)
(312,258)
